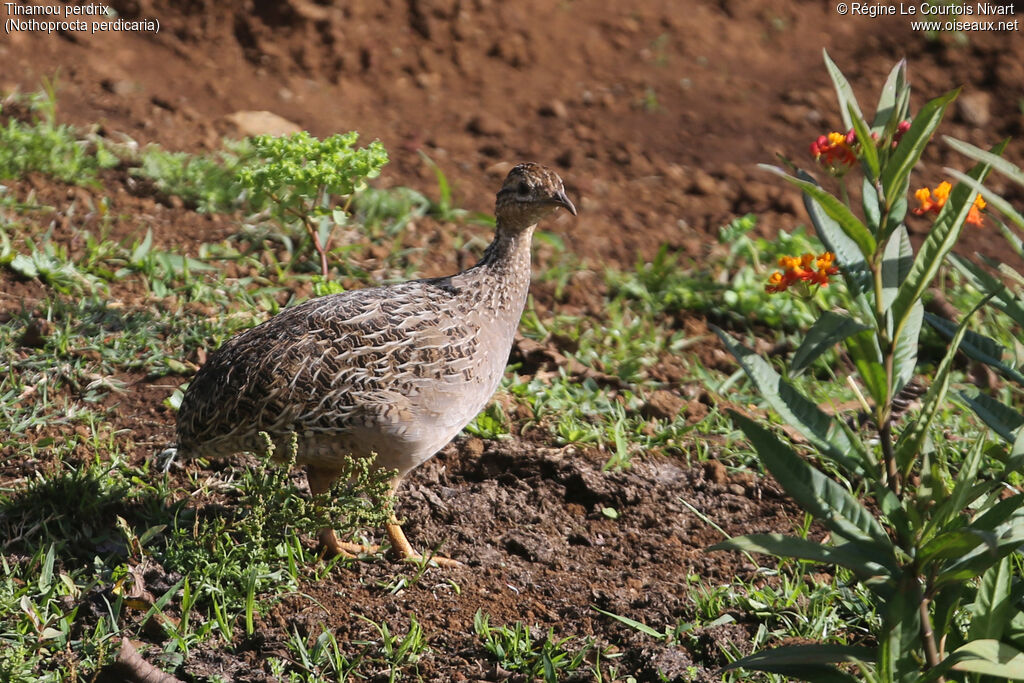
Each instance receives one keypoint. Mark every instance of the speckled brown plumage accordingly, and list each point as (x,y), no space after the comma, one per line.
(396,370)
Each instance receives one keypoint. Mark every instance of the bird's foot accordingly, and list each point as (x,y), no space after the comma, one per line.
(336,548)
(439,560)
(402,550)
(165,458)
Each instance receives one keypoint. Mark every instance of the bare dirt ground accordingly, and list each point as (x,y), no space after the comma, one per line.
(655,112)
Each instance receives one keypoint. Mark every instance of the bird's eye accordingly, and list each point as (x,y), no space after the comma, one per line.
(522,189)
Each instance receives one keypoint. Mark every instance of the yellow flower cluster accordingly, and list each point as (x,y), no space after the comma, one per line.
(808,268)
(932,201)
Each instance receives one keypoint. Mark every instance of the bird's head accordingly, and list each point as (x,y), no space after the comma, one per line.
(530,192)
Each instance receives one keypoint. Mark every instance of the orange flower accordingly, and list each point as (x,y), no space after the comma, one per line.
(932,201)
(835,152)
(814,270)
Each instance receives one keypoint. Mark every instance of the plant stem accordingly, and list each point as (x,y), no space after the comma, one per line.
(931,652)
(307,223)
(316,245)
(892,473)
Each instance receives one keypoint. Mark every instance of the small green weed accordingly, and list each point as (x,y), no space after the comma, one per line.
(544,658)
(733,290)
(44,146)
(208,182)
(301,182)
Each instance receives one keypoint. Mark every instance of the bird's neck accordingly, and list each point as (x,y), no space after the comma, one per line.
(505,268)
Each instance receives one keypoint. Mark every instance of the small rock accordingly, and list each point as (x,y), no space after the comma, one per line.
(35,334)
(701,182)
(473,447)
(622,156)
(695,411)
(662,405)
(529,545)
(486,124)
(120,88)
(499,170)
(163,103)
(251,123)
(428,81)
(555,108)
(975,108)
(715,472)
(737,489)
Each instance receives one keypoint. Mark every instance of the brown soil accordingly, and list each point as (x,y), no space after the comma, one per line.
(655,112)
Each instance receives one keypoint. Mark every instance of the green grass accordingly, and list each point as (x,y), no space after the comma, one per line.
(518,648)
(41,145)
(223,550)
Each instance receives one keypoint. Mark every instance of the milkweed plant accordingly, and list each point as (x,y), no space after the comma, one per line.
(933,539)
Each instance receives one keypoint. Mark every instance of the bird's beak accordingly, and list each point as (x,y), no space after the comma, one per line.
(562,200)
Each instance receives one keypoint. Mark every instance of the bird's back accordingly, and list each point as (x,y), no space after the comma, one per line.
(396,370)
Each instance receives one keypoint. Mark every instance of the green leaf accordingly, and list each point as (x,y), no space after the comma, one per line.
(870,201)
(844,93)
(868,151)
(1015,462)
(1003,516)
(899,638)
(985,282)
(24,266)
(998,163)
(826,500)
(1009,536)
(990,657)
(851,261)
(818,427)
(1002,419)
(861,559)
(955,543)
(892,509)
(896,265)
(897,260)
(888,110)
(912,438)
(633,623)
(867,357)
(896,175)
(142,250)
(905,354)
(835,209)
(827,331)
(896,216)
(806,662)
(966,489)
(940,240)
(992,606)
(977,346)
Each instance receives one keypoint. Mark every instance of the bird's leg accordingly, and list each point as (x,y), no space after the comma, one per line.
(402,549)
(320,481)
(400,546)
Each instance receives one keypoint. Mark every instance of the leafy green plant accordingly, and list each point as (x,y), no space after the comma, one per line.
(399,652)
(42,145)
(209,182)
(730,287)
(934,545)
(309,183)
(516,649)
(360,498)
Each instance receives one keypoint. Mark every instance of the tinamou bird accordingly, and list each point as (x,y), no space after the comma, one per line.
(393,372)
